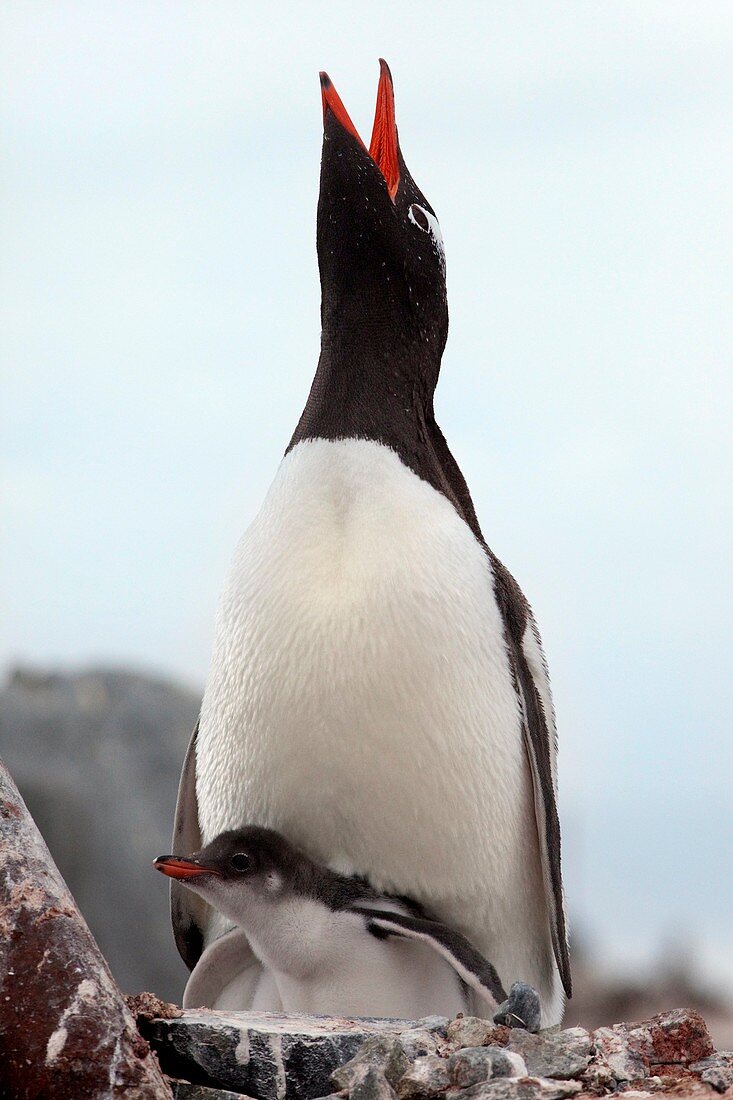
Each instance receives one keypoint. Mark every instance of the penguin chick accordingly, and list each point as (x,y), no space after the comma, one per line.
(330,944)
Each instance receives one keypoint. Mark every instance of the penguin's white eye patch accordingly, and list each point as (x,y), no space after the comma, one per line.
(418,217)
(428,223)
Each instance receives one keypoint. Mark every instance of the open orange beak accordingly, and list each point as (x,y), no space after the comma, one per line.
(181,868)
(383,146)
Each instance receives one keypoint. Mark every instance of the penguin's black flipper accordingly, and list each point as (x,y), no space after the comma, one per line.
(188,910)
(532,684)
(468,963)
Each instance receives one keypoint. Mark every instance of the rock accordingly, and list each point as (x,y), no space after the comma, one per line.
(716,1070)
(470,1066)
(65,1030)
(720,1077)
(370,1083)
(146,1006)
(268,1055)
(417,1042)
(718,1058)
(428,1077)
(520,1088)
(678,1036)
(506,1063)
(383,1051)
(279,1057)
(184,1090)
(470,1031)
(438,1025)
(615,1057)
(691,1089)
(633,1051)
(521,1008)
(599,1078)
(558,1054)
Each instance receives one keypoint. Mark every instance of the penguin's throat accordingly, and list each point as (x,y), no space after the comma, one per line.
(361,391)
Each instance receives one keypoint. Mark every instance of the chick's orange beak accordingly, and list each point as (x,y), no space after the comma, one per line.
(181,868)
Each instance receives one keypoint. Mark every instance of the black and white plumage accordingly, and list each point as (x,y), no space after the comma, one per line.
(378,689)
(329,943)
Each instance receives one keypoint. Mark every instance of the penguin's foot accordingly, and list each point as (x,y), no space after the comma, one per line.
(521,1008)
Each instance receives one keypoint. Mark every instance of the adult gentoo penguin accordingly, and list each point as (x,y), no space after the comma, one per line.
(378,692)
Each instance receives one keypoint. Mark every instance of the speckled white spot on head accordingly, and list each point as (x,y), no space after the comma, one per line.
(433,229)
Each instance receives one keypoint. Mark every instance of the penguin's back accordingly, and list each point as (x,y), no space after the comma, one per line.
(360,699)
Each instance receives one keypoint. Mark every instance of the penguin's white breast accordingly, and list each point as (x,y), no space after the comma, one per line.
(360,698)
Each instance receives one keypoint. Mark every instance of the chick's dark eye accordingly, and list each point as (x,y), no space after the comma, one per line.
(241,862)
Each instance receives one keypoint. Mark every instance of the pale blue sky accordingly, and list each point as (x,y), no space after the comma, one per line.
(159,330)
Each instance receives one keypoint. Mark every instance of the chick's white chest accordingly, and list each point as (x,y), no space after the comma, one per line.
(359,698)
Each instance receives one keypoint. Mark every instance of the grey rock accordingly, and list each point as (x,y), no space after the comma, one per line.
(417,1042)
(427,1078)
(470,1066)
(383,1051)
(371,1084)
(184,1090)
(617,1057)
(557,1054)
(268,1055)
(598,1078)
(436,1024)
(721,1058)
(521,1008)
(470,1031)
(506,1063)
(519,1088)
(720,1077)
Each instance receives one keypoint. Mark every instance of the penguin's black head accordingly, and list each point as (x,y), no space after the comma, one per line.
(380,250)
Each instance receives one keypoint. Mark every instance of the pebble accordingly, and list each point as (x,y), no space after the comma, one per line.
(370,1083)
(559,1054)
(418,1041)
(506,1063)
(716,1070)
(385,1052)
(470,1031)
(520,1088)
(428,1077)
(469,1066)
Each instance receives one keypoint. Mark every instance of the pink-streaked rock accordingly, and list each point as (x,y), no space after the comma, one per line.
(65,1030)
(616,1057)
(680,1036)
(653,1047)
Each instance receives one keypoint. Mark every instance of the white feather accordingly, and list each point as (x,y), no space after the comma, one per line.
(360,701)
